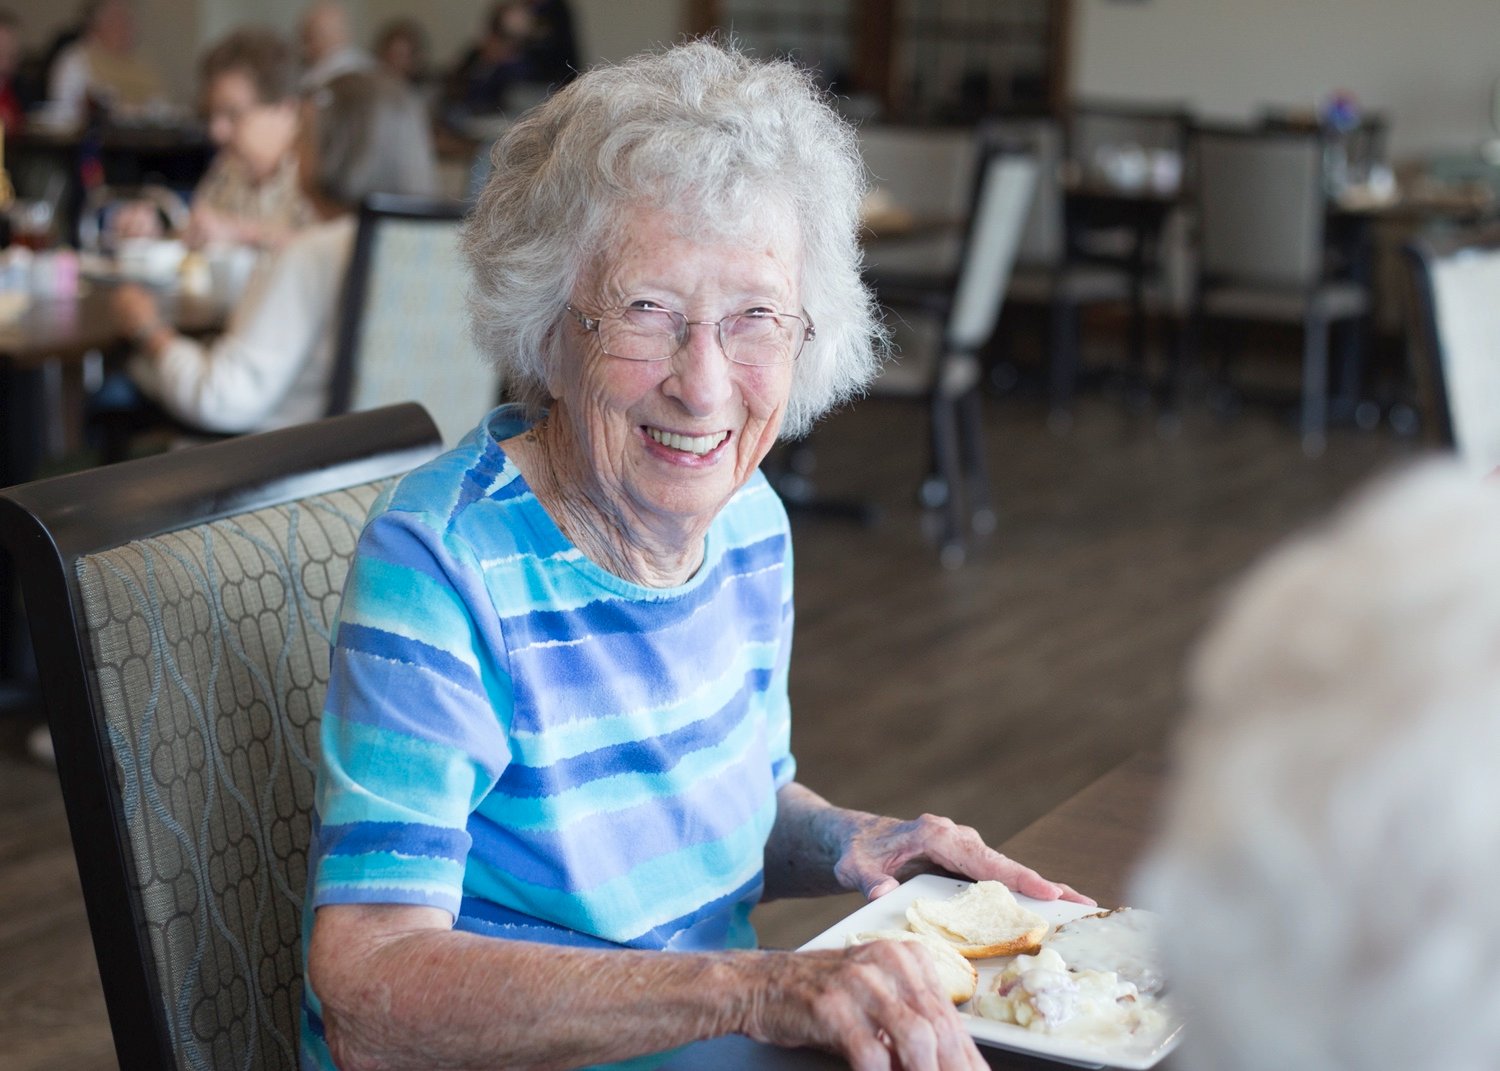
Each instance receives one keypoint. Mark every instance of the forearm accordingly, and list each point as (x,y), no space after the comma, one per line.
(806,842)
(434,998)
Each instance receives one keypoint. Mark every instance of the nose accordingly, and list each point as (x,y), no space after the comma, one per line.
(701,376)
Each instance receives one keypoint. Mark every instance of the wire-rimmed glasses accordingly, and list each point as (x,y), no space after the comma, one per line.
(757,338)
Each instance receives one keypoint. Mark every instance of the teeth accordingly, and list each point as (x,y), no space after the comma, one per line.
(692,444)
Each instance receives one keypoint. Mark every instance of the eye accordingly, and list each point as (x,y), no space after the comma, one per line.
(759,312)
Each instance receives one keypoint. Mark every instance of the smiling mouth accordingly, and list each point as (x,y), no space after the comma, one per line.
(688,444)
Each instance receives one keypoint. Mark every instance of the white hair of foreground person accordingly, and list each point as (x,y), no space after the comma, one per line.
(1330,865)
(730,147)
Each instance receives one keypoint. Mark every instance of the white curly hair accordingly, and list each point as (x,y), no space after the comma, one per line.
(719,140)
(1331,858)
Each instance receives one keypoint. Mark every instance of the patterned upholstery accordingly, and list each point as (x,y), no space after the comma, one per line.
(211,645)
(414,331)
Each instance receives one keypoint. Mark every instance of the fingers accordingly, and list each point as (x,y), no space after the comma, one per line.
(879,1004)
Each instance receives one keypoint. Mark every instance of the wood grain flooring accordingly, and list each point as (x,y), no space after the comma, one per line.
(990,693)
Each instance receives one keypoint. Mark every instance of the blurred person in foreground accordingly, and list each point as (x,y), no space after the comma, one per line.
(556,772)
(1332,849)
(328,48)
(102,67)
(358,135)
(251,194)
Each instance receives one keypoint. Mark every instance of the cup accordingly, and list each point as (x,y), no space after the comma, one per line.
(229,268)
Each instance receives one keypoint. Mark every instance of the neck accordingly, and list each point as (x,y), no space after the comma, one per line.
(600,525)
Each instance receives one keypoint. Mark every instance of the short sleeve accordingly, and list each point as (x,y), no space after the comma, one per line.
(414,730)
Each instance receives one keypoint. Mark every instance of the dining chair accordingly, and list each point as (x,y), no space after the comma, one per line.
(403,332)
(1045,273)
(181,608)
(924,173)
(1261,214)
(939,329)
(1454,342)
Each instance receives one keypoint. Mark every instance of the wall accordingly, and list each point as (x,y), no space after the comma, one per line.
(1429,65)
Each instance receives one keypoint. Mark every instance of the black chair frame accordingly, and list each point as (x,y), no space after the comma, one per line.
(47,526)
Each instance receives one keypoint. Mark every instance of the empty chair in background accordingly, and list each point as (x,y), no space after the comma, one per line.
(1262,211)
(1455,341)
(938,330)
(403,329)
(1045,273)
(921,182)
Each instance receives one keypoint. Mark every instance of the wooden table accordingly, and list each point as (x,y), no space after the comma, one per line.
(1091,841)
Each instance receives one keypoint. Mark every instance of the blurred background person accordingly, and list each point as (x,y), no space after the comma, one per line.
(328,48)
(101,68)
(13,102)
(524,51)
(1332,846)
(251,194)
(360,134)
(401,51)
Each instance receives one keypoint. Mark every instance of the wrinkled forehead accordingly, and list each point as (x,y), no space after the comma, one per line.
(764,220)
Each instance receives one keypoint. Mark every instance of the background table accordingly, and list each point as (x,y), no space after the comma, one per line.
(1091,841)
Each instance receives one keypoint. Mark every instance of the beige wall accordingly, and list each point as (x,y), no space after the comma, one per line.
(1430,65)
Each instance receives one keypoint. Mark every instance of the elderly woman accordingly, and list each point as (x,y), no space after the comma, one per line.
(251,194)
(557,771)
(359,134)
(1330,861)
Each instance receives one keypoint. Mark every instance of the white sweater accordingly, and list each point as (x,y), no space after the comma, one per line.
(272,364)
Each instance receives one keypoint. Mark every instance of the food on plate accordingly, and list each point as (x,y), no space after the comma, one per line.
(1125,940)
(981,921)
(957,975)
(1041,994)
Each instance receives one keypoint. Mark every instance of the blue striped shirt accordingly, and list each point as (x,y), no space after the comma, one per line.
(542,749)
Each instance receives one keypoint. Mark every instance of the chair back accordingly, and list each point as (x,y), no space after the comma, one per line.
(1456,340)
(404,329)
(1261,206)
(1044,239)
(181,608)
(924,171)
(1005,180)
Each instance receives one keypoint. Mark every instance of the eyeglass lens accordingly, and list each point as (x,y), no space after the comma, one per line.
(656,334)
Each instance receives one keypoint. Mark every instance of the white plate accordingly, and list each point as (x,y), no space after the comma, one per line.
(889,912)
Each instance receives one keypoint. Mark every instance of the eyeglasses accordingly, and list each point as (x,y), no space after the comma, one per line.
(752,338)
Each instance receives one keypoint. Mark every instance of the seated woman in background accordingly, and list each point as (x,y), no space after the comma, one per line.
(251,194)
(556,770)
(1332,851)
(360,134)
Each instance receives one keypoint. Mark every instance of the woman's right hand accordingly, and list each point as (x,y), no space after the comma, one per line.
(879,1004)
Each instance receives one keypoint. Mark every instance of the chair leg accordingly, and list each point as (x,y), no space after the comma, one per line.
(1065,361)
(1314,385)
(945,456)
(976,470)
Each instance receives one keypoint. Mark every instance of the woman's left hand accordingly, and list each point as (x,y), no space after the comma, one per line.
(883,852)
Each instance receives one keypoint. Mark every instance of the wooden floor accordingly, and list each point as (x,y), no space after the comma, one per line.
(989,693)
